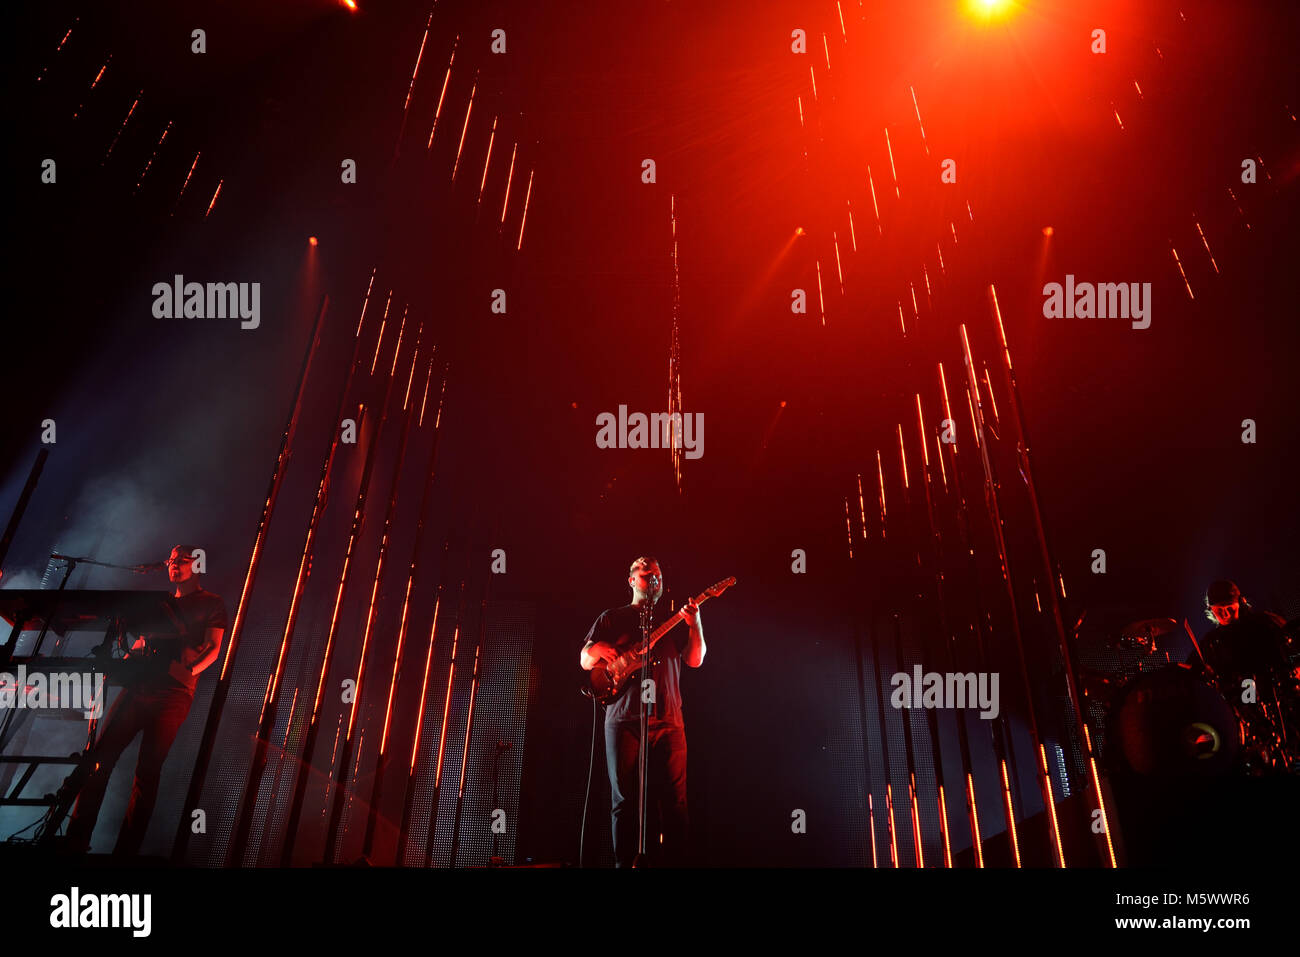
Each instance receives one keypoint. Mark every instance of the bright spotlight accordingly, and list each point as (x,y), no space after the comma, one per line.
(990,10)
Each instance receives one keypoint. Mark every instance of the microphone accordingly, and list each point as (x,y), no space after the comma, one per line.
(149,567)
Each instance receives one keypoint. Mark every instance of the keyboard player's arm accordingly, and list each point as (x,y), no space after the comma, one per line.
(208,651)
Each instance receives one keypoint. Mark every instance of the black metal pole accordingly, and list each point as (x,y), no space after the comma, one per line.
(408,793)
(999,733)
(345,575)
(381,567)
(381,762)
(204,756)
(932,718)
(274,687)
(1045,552)
(20,508)
(432,834)
(469,719)
(862,719)
(884,745)
(991,499)
(918,850)
(408,797)
(945,628)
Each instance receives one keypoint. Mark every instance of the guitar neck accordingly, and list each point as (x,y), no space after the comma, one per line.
(678,617)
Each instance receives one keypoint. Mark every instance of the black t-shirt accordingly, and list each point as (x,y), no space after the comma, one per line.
(198,611)
(1253,646)
(621,627)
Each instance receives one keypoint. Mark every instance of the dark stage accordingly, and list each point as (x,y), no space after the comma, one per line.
(356,350)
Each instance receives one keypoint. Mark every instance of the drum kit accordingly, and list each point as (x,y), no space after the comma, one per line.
(1172,719)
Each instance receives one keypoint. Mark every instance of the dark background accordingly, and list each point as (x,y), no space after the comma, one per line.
(168,429)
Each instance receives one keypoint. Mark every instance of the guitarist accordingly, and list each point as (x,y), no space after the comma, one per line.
(614,632)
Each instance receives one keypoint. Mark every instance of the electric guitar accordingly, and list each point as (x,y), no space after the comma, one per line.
(609,678)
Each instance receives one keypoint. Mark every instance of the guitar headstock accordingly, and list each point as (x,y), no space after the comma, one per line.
(716,590)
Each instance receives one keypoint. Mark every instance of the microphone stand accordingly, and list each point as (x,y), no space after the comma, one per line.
(115,631)
(71,563)
(647,610)
(502,747)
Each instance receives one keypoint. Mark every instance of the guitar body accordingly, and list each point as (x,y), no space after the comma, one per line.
(610,678)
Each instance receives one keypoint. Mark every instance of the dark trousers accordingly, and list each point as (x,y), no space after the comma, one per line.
(665,791)
(156,710)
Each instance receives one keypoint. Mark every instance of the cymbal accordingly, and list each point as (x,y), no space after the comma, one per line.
(1148,628)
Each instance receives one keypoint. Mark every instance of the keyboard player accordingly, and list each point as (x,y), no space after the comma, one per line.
(154,706)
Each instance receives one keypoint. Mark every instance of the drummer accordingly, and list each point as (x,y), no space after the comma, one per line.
(1247,643)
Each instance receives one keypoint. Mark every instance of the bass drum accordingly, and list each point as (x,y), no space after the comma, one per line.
(1171,723)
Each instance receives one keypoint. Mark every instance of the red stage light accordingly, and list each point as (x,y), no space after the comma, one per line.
(312,240)
(800,231)
(1048,231)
